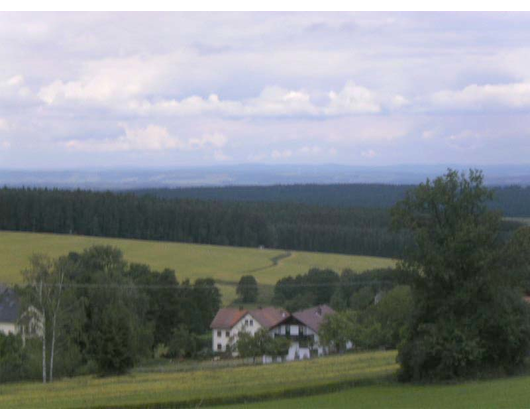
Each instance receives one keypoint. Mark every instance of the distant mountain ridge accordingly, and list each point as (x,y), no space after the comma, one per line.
(239,175)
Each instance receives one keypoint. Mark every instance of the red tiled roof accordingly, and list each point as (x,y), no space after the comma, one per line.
(269,317)
(313,317)
(226,318)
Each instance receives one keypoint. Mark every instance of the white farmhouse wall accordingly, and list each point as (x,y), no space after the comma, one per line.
(8,327)
(223,338)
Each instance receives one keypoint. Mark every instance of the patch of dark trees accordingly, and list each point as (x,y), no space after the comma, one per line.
(282,225)
(513,201)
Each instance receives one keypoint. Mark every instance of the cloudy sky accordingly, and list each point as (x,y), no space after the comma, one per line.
(175,89)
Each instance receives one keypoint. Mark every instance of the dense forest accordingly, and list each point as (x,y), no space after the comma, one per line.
(272,225)
(283,225)
(513,201)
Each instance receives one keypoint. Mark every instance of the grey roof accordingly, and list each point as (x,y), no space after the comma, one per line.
(9,305)
(313,317)
(269,317)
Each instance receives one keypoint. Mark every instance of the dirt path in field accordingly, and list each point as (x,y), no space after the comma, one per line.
(274,262)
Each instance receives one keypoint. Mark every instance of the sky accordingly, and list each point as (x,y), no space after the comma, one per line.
(159,90)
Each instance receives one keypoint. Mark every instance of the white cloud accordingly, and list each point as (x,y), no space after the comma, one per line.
(352,99)
(4,125)
(281,154)
(368,154)
(480,97)
(17,80)
(264,81)
(316,151)
(215,140)
(14,89)
(278,101)
(152,138)
(220,156)
(108,81)
(275,101)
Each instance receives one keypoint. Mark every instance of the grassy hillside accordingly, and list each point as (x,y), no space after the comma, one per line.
(499,393)
(188,260)
(202,387)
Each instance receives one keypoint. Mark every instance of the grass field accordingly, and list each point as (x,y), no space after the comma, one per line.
(363,380)
(498,393)
(188,260)
(204,387)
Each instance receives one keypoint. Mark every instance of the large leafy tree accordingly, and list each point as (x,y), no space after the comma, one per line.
(247,289)
(468,313)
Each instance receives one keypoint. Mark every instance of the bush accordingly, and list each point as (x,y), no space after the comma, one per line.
(247,289)
(13,359)
(114,347)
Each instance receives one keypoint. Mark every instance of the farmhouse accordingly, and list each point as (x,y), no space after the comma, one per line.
(300,327)
(9,307)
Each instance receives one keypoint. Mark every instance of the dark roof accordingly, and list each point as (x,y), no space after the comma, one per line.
(313,317)
(269,317)
(9,305)
(227,317)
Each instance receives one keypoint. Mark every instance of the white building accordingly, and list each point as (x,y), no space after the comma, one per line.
(300,327)
(229,322)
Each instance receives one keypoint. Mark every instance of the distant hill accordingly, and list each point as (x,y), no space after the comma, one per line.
(238,175)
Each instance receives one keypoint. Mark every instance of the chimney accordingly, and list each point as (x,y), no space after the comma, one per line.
(319,310)
(241,308)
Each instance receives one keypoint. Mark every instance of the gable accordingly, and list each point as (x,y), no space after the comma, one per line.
(269,317)
(226,318)
(313,317)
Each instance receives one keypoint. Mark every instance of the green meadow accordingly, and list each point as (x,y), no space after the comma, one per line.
(496,393)
(188,260)
(202,387)
(356,380)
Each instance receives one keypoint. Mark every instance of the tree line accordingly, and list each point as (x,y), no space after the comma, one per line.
(272,225)
(345,230)
(513,201)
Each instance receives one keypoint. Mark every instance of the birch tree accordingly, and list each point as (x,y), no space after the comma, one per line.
(37,277)
(46,280)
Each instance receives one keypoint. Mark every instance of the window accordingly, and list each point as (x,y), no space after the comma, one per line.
(219,347)
(246,322)
(218,333)
(227,334)
(251,322)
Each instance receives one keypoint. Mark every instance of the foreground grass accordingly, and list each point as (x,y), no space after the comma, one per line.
(204,387)
(497,393)
(188,260)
